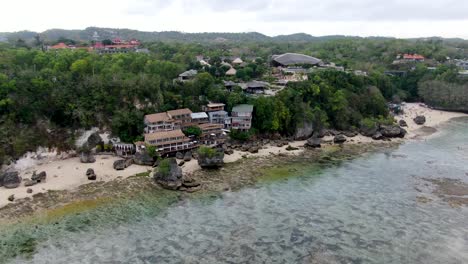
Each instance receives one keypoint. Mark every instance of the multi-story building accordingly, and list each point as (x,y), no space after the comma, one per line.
(199,118)
(242,117)
(213,107)
(159,122)
(167,121)
(181,117)
(169,141)
(212,134)
(220,117)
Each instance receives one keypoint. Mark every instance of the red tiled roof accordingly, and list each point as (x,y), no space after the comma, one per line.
(413,57)
(60,45)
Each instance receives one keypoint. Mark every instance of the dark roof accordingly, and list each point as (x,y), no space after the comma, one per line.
(257,84)
(295,58)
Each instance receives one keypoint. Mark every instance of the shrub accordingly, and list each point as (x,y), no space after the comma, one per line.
(164,167)
(240,135)
(193,131)
(205,151)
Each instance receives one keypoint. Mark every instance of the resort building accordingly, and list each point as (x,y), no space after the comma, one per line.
(212,134)
(213,107)
(256,87)
(167,121)
(188,75)
(220,117)
(291,59)
(242,117)
(199,118)
(169,141)
(182,117)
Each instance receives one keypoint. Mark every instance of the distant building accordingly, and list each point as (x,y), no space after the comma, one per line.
(413,57)
(237,61)
(188,75)
(169,141)
(462,64)
(256,87)
(199,118)
(60,45)
(242,117)
(211,107)
(182,117)
(291,59)
(231,72)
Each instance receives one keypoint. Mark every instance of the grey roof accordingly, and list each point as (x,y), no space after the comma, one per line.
(229,83)
(199,115)
(243,108)
(257,84)
(189,73)
(295,58)
(218,113)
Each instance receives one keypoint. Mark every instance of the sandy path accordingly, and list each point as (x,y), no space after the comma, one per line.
(68,174)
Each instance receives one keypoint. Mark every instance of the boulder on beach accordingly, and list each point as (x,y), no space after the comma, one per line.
(29,183)
(350,134)
(314,142)
(339,139)
(91,175)
(403,123)
(87,157)
(392,131)
(377,136)
(119,164)
(11,198)
(11,180)
(420,120)
(169,174)
(143,158)
(179,155)
(188,156)
(41,177)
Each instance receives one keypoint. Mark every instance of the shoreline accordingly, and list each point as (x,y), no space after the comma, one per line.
(69,174)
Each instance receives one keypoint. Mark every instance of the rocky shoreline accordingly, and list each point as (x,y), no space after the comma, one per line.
(231,177)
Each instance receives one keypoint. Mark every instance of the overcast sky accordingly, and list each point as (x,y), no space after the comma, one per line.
(399,18)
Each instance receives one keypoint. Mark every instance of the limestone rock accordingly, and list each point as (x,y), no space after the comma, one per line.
(420,120)
(11,180)
(172,179)
(339,139)
(314,142)
(91,175)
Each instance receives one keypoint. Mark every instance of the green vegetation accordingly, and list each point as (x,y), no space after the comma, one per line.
(46,96)
(193,131)
(208,152)
(164,167)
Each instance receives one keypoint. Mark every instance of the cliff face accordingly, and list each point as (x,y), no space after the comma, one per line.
(445,96)
(304,130)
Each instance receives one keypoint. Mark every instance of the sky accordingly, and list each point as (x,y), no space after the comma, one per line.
(397,18)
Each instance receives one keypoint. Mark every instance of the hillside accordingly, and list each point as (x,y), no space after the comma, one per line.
(52,35)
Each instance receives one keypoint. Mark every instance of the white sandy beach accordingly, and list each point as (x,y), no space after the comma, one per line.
(68,174)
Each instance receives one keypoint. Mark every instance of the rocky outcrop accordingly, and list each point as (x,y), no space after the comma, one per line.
(38,178)
(350,134)
(403,123)
(392,131)
(11,180)
(170,179)
(91,175)
(314,142)
(339,139)
(304,130)
(368,131)
(143,158)
(87,157)
(93,140)
(179,155)
(188,156)
(420,120)
(119,165)
(211,161)
(377,136)
(11,198)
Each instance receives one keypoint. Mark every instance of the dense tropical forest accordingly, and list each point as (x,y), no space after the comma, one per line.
(45,96)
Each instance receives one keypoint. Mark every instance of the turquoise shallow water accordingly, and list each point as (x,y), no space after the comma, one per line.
(362,211)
